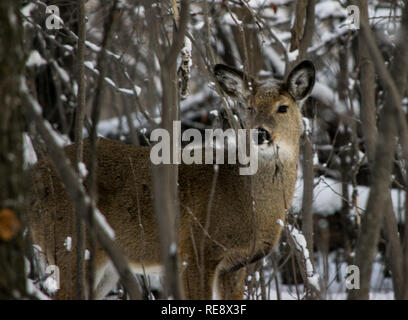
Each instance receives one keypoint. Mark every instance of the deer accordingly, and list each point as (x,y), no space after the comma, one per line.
(242,225)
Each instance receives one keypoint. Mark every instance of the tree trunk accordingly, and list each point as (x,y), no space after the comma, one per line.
(368,112)
(12,245)
(382,169)
(165,176)
(79,122)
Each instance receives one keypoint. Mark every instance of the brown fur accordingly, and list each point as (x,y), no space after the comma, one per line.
(237,233)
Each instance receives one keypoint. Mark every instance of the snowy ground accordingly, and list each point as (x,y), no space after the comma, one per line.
(333,289)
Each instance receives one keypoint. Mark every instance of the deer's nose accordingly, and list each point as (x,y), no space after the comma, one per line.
(262,136)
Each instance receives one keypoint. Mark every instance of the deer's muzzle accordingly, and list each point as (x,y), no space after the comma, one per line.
(262,136)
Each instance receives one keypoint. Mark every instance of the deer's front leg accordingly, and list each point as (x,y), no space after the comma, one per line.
(198,279)
(230,285)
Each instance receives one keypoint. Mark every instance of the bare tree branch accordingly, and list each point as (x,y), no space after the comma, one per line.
(79,122)
(95,114)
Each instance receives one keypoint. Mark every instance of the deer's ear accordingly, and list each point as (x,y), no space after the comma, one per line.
(234,82)
(301,80)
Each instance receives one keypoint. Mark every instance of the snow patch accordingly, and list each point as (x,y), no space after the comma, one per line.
(34,291)
(68,243)
(60,140)
(30,157)
(301,245)
(327,197)
(82,169)
(26,11)
(35,59)
(330,9)
(51,285)
(90,66)
(61,72)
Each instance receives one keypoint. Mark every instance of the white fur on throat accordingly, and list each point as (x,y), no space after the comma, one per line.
(279,150)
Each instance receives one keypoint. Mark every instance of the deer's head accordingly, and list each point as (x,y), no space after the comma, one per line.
(273,108)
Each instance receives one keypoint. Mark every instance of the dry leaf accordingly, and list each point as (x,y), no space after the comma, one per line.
(274,7)
(9,225)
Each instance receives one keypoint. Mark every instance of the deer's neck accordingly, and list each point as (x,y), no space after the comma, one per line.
(274,185)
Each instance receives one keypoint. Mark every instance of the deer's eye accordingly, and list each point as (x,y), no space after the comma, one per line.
(283,109)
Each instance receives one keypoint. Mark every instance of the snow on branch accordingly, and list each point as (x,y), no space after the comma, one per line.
(301,245)
(185,67)
(35,59)
(131,92)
